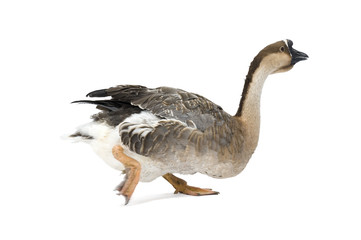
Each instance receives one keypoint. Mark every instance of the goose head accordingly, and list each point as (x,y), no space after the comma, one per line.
(280,56)
(275,58)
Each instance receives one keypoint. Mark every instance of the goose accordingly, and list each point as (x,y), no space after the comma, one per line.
(151,132)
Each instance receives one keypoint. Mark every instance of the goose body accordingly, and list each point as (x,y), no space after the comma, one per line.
(155,132)
(169,141)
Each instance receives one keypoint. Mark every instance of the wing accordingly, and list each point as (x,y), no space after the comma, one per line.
(169,103)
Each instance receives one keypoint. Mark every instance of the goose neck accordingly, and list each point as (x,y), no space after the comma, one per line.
(249,110)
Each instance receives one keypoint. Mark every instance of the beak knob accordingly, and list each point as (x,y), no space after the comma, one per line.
(296,55)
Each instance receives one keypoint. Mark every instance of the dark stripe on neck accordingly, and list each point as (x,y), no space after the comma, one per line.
(252,69)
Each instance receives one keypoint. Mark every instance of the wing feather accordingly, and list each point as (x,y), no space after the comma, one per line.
(168,103)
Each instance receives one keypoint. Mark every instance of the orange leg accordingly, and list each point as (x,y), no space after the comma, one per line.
(132,173)
(181,186)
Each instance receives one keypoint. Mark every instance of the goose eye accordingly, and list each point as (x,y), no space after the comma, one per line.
(282,49)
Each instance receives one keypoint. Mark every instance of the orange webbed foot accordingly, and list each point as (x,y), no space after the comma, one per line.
(132,173)
(181,187)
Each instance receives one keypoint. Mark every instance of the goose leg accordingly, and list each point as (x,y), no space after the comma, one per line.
(181,186)
(132,173)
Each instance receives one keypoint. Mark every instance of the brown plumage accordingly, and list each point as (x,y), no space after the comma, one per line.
(160,131)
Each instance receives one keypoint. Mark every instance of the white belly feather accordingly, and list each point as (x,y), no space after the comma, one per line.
(105,137)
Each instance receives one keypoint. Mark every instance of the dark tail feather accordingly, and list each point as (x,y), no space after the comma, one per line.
(104,104)
(98,93)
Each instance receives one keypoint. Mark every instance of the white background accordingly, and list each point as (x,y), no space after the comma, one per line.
(304,180)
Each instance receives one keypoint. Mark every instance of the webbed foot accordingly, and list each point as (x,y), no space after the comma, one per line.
(181,187)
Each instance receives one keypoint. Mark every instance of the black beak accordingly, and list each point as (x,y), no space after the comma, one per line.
(296,55)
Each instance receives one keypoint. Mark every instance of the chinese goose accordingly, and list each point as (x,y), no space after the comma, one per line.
(153,132)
